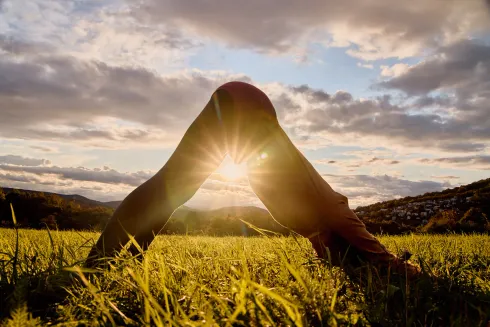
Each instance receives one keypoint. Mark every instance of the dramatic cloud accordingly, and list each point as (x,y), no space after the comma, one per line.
(375,29)
(460,75)
(340,115)
(63,98)
(60,97)
(94,30)
(78,76)
(462,66)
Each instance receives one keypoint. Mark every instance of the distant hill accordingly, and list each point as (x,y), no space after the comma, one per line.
(461,209)
(35,209)
(69,197)
(256,216)
(112,204)
(222,221)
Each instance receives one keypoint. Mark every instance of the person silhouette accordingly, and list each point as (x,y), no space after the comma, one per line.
(240,120)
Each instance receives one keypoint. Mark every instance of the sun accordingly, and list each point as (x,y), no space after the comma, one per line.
(232,171)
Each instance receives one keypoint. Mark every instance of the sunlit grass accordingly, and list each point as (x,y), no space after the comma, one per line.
(237,281)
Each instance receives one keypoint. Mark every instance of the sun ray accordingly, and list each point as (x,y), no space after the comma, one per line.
(231,171)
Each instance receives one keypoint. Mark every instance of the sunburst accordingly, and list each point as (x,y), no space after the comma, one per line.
(232,171)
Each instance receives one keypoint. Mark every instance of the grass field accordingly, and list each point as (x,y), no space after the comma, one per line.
(190,281)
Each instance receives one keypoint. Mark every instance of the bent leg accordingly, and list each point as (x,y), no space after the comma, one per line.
(299,198)
(145,211)
(224,124)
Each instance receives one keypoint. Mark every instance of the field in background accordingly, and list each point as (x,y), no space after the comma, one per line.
(238,281)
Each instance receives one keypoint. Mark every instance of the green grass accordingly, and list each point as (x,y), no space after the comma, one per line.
(191,281)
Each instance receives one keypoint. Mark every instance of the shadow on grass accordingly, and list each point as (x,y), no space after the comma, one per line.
(41,293)
(390,299)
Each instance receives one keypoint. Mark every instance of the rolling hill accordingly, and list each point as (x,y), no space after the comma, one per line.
(463,208)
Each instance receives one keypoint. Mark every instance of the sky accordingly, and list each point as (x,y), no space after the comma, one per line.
(386,98)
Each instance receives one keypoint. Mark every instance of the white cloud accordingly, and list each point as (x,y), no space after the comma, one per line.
(368,66)
(395,70)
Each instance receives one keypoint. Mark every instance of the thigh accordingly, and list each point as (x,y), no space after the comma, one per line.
(292,190)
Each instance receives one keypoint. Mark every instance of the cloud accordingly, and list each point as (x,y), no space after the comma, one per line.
(98,183)
(383,160)
(325,161)
(374,29)
(67,99)
(364,189)
(462,66)
(454,85)
(464,147)
(358,162)
(445,177)
(13,46)
(94,30)
(368,66)
(478,162)
(357,159)
(22,161)
(106,175)
(385,120)
(109,184)
(42,148)
(60,98)
(395,70)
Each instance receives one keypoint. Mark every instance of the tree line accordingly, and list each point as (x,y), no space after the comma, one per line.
(38,210)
